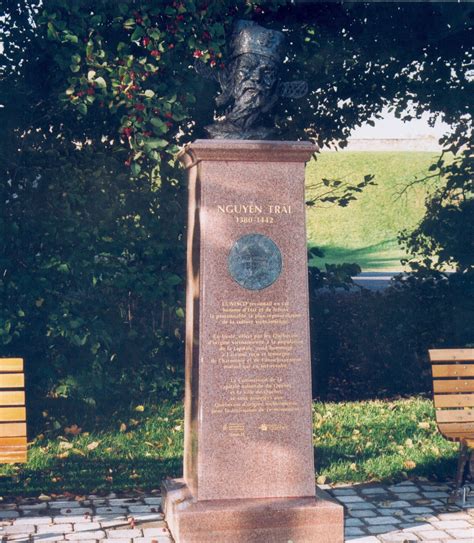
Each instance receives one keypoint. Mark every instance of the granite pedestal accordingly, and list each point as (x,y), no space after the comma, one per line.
(249,463)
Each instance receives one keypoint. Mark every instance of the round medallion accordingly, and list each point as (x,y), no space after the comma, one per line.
(255,261)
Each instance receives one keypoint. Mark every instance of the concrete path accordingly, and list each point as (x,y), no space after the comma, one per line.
(374,513)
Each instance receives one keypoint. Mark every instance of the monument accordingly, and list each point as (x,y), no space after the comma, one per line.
(248,461)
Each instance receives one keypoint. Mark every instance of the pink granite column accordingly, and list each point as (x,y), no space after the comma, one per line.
(248,465)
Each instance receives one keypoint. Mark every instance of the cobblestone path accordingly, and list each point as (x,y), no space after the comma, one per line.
(374,513)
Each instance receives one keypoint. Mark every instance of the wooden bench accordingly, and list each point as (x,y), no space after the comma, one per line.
(12,411)
(453,387)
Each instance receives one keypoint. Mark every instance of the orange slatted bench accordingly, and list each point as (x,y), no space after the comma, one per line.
(453,387)
(12,411)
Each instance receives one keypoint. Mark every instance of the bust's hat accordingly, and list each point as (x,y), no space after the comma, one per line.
(249,37)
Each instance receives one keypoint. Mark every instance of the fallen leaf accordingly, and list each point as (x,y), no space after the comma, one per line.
(65,445)
(93,445)
(74,430)
(409,443)
(140,408)
(353,466)
(409,464)
(321,480)
(64,454)
(44,498)
(424,425)
(123,427)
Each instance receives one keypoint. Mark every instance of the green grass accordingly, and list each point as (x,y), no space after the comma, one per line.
(366,230)
(354,441)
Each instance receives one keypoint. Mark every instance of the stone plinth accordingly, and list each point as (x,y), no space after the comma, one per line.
(248,466)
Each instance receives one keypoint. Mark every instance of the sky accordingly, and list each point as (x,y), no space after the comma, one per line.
(391,128)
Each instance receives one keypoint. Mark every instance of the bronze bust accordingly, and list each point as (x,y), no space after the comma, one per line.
(250,84)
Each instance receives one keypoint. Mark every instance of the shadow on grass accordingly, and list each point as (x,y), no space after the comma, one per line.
(80,475)
(326,457)
(384,256)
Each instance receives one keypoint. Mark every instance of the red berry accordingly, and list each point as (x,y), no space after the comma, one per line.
(171,46)
(90,91)
(213,63)
(169,124)
(145,41)
(139,107)
(197,53)
(155,53)
(127,131)
(180,18)
(169,115)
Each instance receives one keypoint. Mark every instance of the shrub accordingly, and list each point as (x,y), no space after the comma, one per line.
(374,344)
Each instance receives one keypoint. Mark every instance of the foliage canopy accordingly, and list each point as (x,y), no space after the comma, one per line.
(95,97)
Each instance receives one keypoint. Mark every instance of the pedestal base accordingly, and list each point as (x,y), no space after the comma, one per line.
(279,520)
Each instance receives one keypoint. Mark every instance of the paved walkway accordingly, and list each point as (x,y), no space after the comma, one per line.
(374,514)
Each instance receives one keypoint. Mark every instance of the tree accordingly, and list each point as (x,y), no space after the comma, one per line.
(96,98)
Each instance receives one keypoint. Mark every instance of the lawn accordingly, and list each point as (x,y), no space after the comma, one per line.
(366,230)
(354,441)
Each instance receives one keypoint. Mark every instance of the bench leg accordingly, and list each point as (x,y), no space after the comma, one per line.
(462,461)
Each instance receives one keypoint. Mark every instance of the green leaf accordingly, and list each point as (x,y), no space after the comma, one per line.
(100,82)
(156,143)
(82,108)
(136,168)
(158,125)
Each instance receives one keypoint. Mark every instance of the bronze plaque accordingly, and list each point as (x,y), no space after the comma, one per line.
(255,262)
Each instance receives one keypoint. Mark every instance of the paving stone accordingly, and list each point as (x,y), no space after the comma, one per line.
(48,537)
(17,528)
(353,522)
(374,490)
(343,492)
(9,514)
(349,499)
(433,534)
(353,531)
(109,518)
(455,516)
(114,523)
(402,486)
(157,530)
(99,502)
(382,529)
(462,534)
(82,526)
(37,521)
(409,495)
(119,534)
(80,519)
(110,540)
(451,524)
(110,510)
(143,508)
(20,537)
(361,505)
(7,506)
(432,495)
(74,536)
(76,511)
(398,536)
(421,510)
(55,529)
(383,520)
(394,505)
(147,517)
(156,539)
(124,501)
(367,539)
(362,513)
(33,506)
(61,504)
(152,501)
